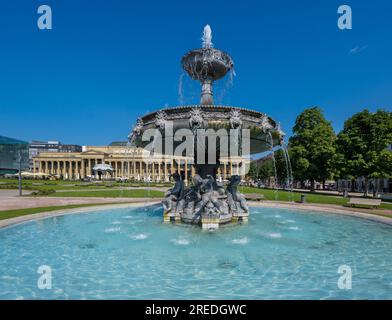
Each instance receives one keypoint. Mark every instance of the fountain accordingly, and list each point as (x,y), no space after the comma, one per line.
(190,134)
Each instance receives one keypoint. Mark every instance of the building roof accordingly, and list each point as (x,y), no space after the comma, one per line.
(118,144)
(7,140)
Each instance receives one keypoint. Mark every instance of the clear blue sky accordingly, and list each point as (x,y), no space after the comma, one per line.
(106,62)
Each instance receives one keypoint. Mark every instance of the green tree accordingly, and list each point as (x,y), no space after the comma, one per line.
(265,170)
(362,146)
(312,147)
(281,168)
(253,171)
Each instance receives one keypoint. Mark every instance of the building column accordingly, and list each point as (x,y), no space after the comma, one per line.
(89,167)
(231,169)
(224,170)
(115,170)
(82,173)
(172,170)
(134,169)
(64,168)
(186,170)
(33,166)
(77,175)
(40,166)
(122,168)
(70,170)
(165,171)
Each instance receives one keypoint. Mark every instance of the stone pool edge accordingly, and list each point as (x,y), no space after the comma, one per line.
(324,209)
(62,212)
(268,204)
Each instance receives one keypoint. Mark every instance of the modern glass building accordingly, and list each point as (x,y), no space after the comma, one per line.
(13,154)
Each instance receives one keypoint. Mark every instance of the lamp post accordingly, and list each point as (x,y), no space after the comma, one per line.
(20,173)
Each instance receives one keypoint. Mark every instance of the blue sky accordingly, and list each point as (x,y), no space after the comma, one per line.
(106,62)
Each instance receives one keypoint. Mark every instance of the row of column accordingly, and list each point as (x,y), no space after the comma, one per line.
(136,169)
(67,169)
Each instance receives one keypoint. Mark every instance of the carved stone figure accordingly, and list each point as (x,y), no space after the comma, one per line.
(235,119)
(160,119)
(209,203)
(265,123)
(236,201)
(196,120)
(174,195)
(280,132)
(138,126)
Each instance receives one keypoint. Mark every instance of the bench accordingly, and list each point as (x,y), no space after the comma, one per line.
(254,196)
(365,202)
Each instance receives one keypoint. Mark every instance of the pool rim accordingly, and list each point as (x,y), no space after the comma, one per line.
(11,222)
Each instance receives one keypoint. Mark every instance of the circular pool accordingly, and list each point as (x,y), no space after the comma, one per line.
(128,253)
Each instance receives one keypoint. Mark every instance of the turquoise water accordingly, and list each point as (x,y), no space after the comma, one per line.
(129,253)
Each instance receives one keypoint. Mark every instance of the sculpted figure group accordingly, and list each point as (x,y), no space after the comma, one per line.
(204,197)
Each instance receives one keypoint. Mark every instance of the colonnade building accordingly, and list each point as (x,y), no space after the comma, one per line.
(126,163)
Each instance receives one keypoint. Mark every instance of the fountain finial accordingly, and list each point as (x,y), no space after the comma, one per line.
(207,37)
(207,65)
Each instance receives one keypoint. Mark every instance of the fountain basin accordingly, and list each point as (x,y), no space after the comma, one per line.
(207,63)
(129,253)
(213,117)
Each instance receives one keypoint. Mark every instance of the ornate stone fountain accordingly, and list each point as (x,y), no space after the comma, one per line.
(198,197)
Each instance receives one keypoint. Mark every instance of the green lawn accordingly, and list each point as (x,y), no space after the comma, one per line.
(269,194)
(134,193)
(22,212)
(72,185)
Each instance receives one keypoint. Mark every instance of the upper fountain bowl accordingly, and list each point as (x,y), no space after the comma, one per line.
(207,63)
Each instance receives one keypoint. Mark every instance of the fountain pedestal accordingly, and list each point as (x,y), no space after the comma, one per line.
(210,222)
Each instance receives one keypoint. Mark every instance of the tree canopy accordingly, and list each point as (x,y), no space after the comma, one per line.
(362,146)
(312,146)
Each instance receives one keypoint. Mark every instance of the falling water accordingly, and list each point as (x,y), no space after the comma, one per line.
(149,163)
(274,164)
(207,37)
(127,153)
(290,171)
(227,86)
(128,147)
(289,176)
(181,89)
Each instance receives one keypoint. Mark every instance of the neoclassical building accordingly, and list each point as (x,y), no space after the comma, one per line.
(127,163)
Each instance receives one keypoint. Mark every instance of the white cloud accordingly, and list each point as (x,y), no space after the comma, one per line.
(358,49)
